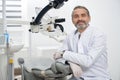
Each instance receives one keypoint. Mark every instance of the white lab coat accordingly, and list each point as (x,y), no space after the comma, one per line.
(89,52)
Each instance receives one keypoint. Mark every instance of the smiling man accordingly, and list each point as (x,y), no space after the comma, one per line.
(85,49)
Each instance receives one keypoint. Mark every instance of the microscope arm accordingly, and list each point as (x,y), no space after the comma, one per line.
(53,4)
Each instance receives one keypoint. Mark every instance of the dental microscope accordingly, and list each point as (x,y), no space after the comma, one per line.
(58,70)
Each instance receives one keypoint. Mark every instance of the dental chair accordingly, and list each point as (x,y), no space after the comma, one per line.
(57,71)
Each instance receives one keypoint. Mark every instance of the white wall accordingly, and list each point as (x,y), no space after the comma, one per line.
(104,14)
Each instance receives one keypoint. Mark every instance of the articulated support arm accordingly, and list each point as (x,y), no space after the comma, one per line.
(53,4)
(51,28)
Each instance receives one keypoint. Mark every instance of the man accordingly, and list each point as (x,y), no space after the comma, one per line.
(85,49)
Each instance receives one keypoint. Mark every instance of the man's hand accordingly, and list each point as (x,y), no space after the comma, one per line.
(57,55)
(76,69)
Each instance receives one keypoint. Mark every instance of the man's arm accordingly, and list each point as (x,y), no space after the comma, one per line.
(96,50)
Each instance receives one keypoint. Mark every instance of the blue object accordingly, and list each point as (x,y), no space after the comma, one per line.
(7,37)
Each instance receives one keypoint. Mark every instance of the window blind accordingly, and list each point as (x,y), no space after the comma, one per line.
(13,11)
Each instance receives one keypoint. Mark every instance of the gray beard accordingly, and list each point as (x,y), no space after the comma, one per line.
(81,27)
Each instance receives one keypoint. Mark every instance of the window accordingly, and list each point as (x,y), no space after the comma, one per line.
(16,10)
(13,11)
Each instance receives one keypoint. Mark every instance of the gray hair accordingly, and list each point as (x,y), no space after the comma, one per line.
(81,7)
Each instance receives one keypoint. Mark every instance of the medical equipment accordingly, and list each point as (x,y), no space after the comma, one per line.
(57,71)
(52,28)
(53,4)
(4,46)
(6,49)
